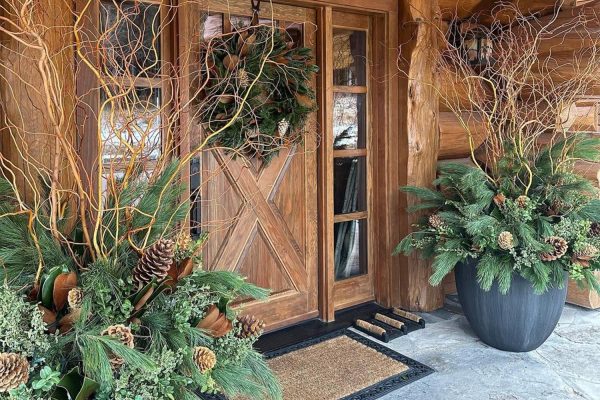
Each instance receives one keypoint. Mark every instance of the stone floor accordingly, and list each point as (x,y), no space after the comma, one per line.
(567,366)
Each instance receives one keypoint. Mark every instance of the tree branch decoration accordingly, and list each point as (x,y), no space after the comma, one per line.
(279,95)
(520,204)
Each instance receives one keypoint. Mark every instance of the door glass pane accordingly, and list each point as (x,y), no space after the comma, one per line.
(350,246)
(349,185)
(130,38)
(349,121)
(135,120)
(211,25)
(349,57)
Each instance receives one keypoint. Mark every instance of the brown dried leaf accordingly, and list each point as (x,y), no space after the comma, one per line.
(62,285)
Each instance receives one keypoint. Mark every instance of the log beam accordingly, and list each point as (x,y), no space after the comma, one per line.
(419,131)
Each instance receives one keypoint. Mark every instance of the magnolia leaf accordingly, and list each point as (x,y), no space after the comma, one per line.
(73,386)
(62,285)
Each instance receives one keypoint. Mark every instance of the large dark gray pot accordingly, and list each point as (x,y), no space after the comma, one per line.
(518,321)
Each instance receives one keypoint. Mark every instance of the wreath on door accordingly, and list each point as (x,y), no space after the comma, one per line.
(256,90)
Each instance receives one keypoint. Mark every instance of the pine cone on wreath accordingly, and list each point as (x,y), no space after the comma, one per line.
(585,255)
(506,240)
(14,370)
(560,246)
(250,327)
(124,335)
(155,262)
(75,298)
(282,127)
(204,358)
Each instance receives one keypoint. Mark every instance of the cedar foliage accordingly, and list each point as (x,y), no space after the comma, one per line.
(475,209)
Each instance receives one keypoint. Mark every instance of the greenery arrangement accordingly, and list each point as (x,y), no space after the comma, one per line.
(139,320)
(256,90)
(533,216)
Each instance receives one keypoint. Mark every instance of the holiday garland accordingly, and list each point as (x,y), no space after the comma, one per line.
(256,90)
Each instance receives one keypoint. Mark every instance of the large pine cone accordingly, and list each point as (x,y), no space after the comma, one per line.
(204,358)
(155,262)
(560,248)
(124,335)
(14,370)
(250,327)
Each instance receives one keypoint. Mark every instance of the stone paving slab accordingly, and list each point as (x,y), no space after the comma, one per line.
(565,367)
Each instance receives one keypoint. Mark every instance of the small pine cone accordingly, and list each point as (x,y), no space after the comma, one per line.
(250,327)
(14,370)
(595,229)
(282,127)
(584,255)
(506,240)
(436,222)
(155,262)
(204,358)
(243,78)
(499,199)
(75,298)
(522,201)
(183,241)
(124,335)
(560,246)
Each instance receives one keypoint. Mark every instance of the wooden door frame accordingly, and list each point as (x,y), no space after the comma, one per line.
(384,148)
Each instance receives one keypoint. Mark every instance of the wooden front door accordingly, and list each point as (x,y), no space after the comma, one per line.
(262,218)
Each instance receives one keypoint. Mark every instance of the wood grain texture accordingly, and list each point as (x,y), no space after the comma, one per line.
(455,133)
(583,297)
(25,124)
(262,218)
(419,129)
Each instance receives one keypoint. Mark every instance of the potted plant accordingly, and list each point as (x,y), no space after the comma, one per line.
(516,219)
(512,244)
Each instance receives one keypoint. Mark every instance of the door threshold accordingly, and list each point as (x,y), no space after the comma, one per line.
(315,327)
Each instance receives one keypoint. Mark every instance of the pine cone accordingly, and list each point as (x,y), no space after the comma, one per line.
(506,240)
(436,222)
(282,127)
(522,201)
(155,262)
(243,78)
(14,370)
(560,248)
(75,298)
(124,335)
(585,255)
(183,241)
(250,327)
(595,229)
(499,199)
(204,358)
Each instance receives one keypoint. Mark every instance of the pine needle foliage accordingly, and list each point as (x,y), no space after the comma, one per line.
(504,220)
(162,316)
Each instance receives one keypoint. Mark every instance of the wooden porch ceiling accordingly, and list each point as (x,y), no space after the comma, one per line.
(487,10)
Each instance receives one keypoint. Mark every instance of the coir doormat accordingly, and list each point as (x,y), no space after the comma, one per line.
(342,365)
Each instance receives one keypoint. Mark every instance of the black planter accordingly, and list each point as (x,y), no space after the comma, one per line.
(518,321)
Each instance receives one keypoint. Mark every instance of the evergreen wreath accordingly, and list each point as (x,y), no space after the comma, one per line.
(256,90)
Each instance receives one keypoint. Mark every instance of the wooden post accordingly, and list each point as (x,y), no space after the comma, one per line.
(419,136)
